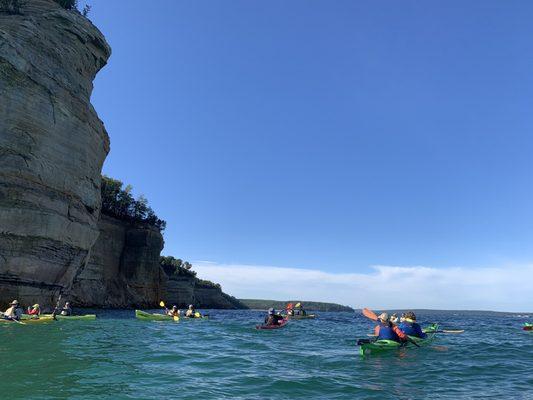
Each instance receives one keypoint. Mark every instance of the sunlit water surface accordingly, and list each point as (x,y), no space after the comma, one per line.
(119,357)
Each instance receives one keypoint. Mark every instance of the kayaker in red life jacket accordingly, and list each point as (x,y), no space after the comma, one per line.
(34,310)
(388,331)
(272,318)
(410,327)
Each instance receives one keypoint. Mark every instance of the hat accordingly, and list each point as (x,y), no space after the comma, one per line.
(35,306)
(14,303)
(271,311)
(384,317)
(191,306)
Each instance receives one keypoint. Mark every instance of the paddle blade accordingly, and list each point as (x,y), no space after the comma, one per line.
(370,314)
(290,306)
(197,315)
(452,331)
(176,318)
(162,303)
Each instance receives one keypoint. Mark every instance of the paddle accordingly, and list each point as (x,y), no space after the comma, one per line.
(57,307)
(372,315)
(11,319)
(162,304)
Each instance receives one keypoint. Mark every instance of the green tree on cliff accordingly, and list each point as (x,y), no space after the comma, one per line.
(119,202)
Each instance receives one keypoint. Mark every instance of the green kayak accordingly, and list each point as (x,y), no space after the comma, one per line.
(143,315)
(528,327)
(372,346)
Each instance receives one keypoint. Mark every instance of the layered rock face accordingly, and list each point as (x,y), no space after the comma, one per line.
(124,272)
(123,269)
(52,147)
(183,290)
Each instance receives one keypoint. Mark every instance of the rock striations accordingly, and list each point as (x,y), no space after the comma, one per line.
(52,147)
(53,239)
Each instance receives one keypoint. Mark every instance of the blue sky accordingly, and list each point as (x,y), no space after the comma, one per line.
(326,135)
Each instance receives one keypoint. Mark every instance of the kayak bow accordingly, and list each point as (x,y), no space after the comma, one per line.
(143,315)
(267,327)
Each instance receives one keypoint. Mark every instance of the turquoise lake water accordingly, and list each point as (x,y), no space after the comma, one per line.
(119,357)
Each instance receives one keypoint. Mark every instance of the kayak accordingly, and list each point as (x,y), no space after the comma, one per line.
(87,317)
(278,326)
(143,315)
(431,328)
(196,316)
(528,326)
(309,316)
(31,321)
(372,346)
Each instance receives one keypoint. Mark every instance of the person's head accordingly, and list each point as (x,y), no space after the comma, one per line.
(14,303)
(402,317)
(410,316)
(394,318)
(35,306)
(191,306)
(67,304)
(271,311)
(383,317)
(174,308)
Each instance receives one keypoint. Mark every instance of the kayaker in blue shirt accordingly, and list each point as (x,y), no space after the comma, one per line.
(387,330)
(410,327)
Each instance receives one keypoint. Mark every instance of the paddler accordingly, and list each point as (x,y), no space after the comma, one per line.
(14,311)
(190,313)
(290,309)
(174,312)
(410,327)
(272,318)
(34,310)
(66,310)
(386,330)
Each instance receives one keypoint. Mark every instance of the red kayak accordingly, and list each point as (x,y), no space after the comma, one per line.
(280,325)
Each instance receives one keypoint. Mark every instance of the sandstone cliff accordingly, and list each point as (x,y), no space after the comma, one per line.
(52,146)
(53,238)
(182,291)
(124,271)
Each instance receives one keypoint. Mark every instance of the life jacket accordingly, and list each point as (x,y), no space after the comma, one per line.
(386,332)
(412,329)
(34,311)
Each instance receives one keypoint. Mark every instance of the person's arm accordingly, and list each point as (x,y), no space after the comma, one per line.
(420,333)
(376,330)
(398,331)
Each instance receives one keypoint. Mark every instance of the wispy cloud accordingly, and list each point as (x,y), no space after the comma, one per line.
(505,288)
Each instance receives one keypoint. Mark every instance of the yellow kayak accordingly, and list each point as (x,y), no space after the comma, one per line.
(27,320)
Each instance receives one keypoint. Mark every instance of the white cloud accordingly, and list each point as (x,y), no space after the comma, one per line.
(501,289)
